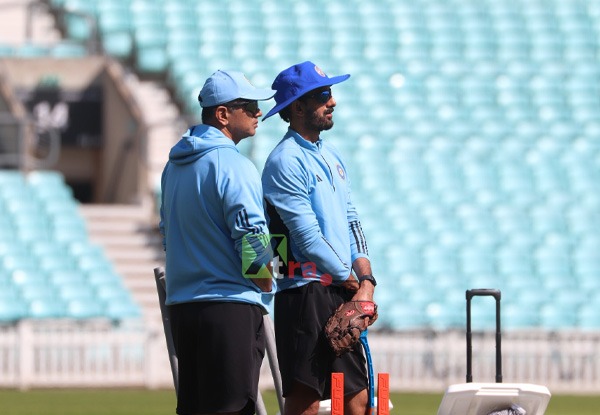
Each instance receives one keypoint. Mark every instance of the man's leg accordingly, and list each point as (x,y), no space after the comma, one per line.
(302,401)
(356,404)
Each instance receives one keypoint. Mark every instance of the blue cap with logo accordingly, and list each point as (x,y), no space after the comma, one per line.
(296,81)
(225,86)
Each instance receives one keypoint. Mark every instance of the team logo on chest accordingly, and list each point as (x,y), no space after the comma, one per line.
(341,172)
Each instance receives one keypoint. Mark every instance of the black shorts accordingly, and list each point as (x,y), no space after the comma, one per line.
(220,348)
(302,350)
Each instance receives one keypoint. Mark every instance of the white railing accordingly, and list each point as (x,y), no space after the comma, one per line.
(36,354)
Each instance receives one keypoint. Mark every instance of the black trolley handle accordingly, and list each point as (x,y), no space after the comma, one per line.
(497,296)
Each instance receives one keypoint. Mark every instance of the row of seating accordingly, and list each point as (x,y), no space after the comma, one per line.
(177,37)
(63,49)
(65,294)
(49,268)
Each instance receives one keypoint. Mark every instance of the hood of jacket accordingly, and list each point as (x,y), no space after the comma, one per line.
(198,141)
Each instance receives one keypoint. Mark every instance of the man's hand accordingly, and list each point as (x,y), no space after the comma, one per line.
(351,284)
(265,284)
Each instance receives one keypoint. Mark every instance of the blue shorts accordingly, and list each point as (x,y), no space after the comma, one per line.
(303,353)
(220,348)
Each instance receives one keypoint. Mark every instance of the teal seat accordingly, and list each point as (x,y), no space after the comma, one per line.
(29,50)
(6,50)
(402,316)
(122,310)
(37,291)
(589,317)
(520,316)
(19,265)
(478,260)
(61,277)
(68,292)
(114,292)
(439,260)
(46,308)
(113,17)
(60,223)
(93,263)
(554,316)
(483,313)
(78,27)
(152,60)
(61,205)
(118,44)
(69,234)
(406,260)
(99,278)
(49,263)
(13,309)
(69,50)
(444,316)
(87,308)
(514,261)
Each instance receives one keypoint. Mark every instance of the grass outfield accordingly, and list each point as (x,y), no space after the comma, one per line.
(162,402)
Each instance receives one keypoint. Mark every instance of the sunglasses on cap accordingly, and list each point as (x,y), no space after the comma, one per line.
(250,106)
(320,96)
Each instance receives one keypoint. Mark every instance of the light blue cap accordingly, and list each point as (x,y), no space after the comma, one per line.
(225,86)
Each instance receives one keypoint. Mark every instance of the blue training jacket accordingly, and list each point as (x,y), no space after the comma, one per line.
(212,221)
(308,198)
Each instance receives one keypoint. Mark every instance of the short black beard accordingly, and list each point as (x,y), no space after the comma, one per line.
(317,123)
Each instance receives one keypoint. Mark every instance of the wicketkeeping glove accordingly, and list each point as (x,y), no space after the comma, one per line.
(347,322)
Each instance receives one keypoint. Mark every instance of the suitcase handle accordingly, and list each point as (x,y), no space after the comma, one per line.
(497,296)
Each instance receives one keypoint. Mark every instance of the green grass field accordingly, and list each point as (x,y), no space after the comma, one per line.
(162,402)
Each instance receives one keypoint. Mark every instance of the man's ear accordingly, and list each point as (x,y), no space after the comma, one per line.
(298,107)
(222,115)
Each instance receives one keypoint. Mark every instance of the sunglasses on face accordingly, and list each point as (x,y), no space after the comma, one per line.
(250,106)
(320,96)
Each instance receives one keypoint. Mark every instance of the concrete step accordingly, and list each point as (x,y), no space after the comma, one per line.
(130,240)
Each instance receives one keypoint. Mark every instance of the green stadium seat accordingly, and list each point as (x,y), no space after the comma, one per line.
(588,317)
(122,310)
(13,309)
(112,292)
(61,277)
(556,316)
(69,50)
(84,308)
(46,308)
(6,50)
(37,291)
(118,44)
(520,316)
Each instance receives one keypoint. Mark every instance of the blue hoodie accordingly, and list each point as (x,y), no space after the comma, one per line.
(307,191)
(212,221)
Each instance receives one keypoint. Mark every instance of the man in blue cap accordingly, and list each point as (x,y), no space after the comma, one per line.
(308,199)
(218,274)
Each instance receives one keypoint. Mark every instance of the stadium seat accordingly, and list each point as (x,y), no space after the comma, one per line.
(13,309)
(84,308)
(520,316)
(44,308)
(557,316)
(588,317)
(122,310)
(513,87)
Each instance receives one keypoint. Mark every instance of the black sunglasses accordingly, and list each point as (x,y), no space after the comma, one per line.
(321,96)
(250,106)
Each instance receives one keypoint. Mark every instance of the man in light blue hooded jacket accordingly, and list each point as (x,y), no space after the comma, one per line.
(218,271)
